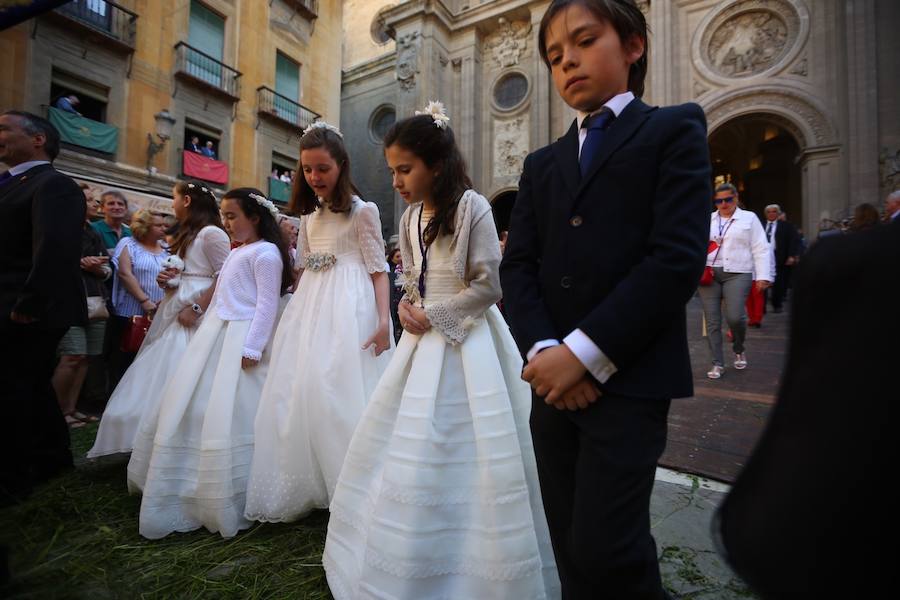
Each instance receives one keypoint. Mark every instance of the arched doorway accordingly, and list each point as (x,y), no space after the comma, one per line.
(761,158)
(502,205)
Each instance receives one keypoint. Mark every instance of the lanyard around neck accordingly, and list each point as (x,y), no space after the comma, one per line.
(423,248)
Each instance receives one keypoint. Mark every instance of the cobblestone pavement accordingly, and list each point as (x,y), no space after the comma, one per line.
(713,433)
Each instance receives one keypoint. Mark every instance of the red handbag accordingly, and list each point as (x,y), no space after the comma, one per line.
(707,277)
(134,333)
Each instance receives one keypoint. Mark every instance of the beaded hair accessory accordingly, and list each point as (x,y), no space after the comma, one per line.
(323,125)
(265,203)
(203,188)
(435,110)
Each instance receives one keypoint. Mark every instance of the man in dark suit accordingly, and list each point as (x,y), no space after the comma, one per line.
(195,146)
(787,252)
(607,242)
(41,295)
(809,513)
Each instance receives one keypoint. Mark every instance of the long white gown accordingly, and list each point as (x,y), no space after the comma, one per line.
(139,390)
(439,495)
(191,465)
(319,379)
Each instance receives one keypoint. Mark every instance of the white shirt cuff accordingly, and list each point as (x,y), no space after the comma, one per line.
(538,346)
(592,357)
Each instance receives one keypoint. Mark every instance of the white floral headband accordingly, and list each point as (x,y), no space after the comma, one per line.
(435,110)
(191,186)
(265,203)
(323,125)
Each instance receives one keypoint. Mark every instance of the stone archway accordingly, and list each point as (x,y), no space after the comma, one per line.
(797,113)
(759,156)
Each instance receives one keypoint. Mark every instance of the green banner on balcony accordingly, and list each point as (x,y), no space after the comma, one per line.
(279,191)
(84,132)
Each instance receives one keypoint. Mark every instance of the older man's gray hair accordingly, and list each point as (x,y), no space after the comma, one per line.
(775,206)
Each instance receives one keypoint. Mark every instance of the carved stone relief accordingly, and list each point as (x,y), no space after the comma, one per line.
(510,146)
(806,121)
(408,59)
(889,166)
(750,37)
(800,67)
(699,89)
(508,42)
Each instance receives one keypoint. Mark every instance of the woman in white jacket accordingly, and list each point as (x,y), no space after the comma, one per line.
(739,249)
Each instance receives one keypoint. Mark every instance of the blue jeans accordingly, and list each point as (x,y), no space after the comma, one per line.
(733,288)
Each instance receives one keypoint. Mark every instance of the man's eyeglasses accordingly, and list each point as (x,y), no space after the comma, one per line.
(726,199)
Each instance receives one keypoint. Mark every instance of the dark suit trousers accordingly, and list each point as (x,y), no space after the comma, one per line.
(780,287)
(596,469)
(36,444)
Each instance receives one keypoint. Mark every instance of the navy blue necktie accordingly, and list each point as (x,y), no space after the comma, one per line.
(4,177)
(596,125)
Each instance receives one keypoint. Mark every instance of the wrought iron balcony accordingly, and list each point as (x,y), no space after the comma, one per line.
(201,68)
(116,23)
(271,104)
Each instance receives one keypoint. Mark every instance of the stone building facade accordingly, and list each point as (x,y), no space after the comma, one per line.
(133,58)
(801,96)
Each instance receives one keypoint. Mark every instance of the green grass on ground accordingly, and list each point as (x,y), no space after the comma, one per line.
(77,537)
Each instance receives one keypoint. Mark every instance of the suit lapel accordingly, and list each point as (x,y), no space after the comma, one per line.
(19,180)
(619,132)
(565,152)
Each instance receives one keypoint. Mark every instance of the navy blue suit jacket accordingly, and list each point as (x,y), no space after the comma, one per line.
(41,225)
(619,252)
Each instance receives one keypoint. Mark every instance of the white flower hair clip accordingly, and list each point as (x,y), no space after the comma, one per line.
(265,203)
(435,110)
(323,125)
(191,186)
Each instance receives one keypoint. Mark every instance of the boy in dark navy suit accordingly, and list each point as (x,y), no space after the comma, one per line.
(607,242)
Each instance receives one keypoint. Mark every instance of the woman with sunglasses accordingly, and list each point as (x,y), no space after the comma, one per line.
(737,245)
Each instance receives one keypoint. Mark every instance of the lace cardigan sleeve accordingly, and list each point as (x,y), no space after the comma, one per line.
(477,250)
(267,270)
(215,245)
(302,243)
(371,242)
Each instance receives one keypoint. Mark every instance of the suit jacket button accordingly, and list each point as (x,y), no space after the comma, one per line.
(565,282)
(576,221)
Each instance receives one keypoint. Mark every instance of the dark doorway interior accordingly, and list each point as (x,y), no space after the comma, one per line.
(502,207)
(760,158)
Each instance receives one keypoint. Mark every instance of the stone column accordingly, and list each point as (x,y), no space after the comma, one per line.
(822,187)
(862,101)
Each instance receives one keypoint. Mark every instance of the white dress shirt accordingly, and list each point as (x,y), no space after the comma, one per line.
(591,356)
(774,225)
(22,167)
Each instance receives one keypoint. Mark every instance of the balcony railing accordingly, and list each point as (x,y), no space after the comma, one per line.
(308,8)
(272,104)
(110,19)
(206,70)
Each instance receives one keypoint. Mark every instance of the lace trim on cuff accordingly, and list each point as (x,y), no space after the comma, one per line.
(252,354)
(453,329)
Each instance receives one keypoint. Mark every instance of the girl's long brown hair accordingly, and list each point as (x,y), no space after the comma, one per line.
(202,211)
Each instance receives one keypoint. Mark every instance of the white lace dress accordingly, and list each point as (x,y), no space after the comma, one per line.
(319,379)
(439,495)
(139,390)
(192,464)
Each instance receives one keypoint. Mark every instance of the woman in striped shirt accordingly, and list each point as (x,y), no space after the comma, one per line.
(138,260)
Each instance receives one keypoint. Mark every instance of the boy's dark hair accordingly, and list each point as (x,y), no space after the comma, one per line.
(437,148)
(625,17)
(267,228)
(202,211)
(303,199)
(33,125)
